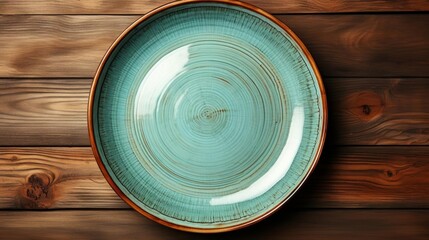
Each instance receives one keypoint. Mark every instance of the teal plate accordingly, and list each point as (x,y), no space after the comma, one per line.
(207,116)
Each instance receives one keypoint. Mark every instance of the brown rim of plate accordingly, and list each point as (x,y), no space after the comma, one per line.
(91,103)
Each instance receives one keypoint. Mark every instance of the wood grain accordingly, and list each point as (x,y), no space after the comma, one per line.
(378,111)
(42,178)
(43,112)
(346,177)
(304,224)
(354,45)
(273,6)
(366,45)
(368,177)
(49,46)
(362,111)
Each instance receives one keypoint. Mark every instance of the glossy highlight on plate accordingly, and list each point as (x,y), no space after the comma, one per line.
(206,116)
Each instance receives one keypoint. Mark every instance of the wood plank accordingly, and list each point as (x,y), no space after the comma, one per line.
(273,6)
(378,111)
(41,178)
(367,111)
(346,177)
(368,177)
(353,45)
(43,112)
(366,45)
(49,46)
(304,224)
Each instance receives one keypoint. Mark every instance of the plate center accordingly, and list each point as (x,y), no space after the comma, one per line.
(207,122)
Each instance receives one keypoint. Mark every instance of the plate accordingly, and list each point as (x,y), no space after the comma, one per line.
(207,116)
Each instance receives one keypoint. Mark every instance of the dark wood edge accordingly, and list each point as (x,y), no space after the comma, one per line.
(91,103)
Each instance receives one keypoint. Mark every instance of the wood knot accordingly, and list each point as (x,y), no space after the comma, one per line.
(366,109)
(36,193)
(389,173)
(366,105)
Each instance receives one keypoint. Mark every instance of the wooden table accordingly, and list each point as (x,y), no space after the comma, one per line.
(372,181)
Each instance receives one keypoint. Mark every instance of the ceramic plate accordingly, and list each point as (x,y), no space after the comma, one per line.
(207,115)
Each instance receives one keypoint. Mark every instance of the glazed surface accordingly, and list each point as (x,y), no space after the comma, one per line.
(207,115)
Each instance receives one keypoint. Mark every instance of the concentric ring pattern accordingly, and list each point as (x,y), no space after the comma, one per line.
(207,115)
